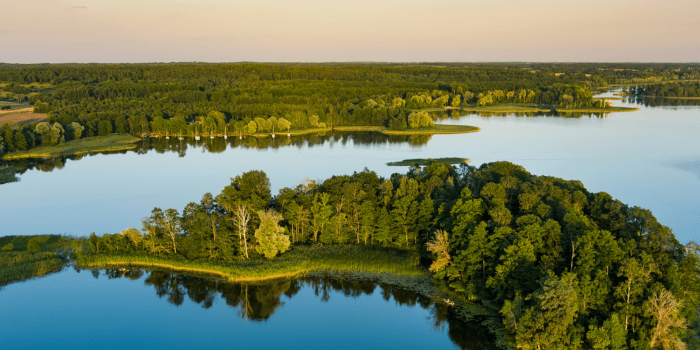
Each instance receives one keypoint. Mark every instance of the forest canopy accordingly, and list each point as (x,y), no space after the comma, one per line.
(84,100)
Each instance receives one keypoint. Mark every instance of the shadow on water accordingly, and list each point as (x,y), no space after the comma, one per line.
(650,101)
(258,302)
(219,145)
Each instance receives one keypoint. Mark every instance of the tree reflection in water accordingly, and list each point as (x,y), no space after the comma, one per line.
(257,302)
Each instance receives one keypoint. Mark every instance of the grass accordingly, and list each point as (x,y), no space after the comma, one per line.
(110,143)
(506,108)
(20,110)
(359,128)
(422,161)
(435,129)
(298,261)
(609,98)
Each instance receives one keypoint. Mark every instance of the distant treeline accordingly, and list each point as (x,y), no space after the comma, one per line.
(194,99)
(566,268)
(684,89)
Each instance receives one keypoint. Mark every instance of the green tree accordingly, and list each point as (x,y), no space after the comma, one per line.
(76,130)
(252,127)
(320,213)
(104,128)
(284,124)
(547,324)
(610,336)
(270,237)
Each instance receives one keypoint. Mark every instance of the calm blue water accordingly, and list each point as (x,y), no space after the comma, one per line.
(73,310)
(648,158)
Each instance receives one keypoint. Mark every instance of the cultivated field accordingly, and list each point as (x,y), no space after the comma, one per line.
(21,117)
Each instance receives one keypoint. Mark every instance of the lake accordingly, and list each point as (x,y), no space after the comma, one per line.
(138,309)
(648,158)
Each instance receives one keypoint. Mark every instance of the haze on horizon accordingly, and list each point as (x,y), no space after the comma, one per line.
(57,31)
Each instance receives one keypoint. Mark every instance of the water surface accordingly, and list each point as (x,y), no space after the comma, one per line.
(644,158)
(111,309)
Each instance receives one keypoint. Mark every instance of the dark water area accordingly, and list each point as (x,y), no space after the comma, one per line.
(157,309)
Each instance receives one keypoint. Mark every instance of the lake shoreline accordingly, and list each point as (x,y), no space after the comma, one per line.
(125,142)
(109,143)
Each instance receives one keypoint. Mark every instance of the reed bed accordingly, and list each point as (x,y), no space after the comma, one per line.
(299,261)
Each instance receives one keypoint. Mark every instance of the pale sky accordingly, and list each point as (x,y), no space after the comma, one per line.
(54,31)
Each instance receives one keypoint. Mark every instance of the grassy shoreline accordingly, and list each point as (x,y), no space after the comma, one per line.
(297,262)
(435,129)
(110,143)
(595,110)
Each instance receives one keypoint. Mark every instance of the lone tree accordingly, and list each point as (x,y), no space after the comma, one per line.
(270,236)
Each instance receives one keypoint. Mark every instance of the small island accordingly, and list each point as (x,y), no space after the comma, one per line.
(424,161)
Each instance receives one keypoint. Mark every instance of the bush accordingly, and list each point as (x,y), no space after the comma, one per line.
(8,247)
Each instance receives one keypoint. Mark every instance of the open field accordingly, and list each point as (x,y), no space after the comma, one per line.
(21,118)
(424,161)
(109,143)
(19,110)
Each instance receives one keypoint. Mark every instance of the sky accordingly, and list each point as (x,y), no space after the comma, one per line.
(59,31)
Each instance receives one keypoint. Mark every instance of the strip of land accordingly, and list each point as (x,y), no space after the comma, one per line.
(298,261)
(110,143)
(424,161)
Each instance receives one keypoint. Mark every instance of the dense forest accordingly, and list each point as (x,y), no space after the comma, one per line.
(565,268)
(683,89)
(204,99)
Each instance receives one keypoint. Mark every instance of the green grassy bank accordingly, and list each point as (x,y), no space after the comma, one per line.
(435,129)
(298,261)
(110,143)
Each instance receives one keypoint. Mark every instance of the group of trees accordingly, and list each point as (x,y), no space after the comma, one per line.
(680,89)
(564,266)
(191,99)
(194,99)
